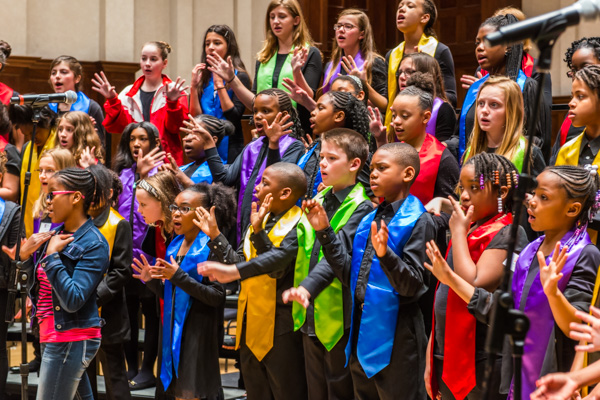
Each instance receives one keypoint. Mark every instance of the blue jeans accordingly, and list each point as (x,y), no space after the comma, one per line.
(63,367)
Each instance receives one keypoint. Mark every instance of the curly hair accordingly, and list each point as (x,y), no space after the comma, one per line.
(592,43)
(285,106)
(489,166)
(84,135)
(223,198)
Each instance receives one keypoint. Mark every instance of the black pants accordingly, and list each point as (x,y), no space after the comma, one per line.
(326,374)
(3,334)
(477,392)
(150,311)
(280,374)
(112,358)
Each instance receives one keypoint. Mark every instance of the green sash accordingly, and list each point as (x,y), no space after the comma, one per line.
(328,305)
(517,158)
(264,76)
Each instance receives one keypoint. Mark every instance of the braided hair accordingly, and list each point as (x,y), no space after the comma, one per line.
(514,53)
(498,170)
(107,180)
(358,84)
(355,112)
(83,181)
(216,126)
(592,43)
(582,184)
(285,105)
(590,75)
(219,195)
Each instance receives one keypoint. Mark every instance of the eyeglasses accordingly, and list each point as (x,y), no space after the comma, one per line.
(183,210)
(345,27)
(407,72)
(47,172)
(50,196)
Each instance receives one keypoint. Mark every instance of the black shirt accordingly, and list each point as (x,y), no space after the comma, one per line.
(588,150)
(320,273)
(277,262)
(146,100)
(445,123)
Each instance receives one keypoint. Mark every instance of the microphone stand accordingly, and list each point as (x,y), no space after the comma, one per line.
(505,319)
(18,275)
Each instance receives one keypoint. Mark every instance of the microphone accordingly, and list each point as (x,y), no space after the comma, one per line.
(545,24)
(69,97)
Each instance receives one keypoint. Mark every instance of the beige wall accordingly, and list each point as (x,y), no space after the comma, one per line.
(115,30)
(561,84)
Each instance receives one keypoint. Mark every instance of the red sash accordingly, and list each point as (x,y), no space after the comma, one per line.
(564,130)
(430,156)
(526,66)
(5,94)
(3,143)
(459,342)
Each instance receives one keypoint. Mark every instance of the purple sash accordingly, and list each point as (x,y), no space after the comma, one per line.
(249,158)
(430,128)
(537,307)
(360,62)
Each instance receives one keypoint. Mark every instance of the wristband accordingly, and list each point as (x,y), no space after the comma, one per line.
(231,80)
(222,87)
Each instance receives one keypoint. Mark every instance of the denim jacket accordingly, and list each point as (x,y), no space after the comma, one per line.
(74,274)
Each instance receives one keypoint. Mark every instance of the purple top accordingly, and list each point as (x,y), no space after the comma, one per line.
(338,68)
(536,307)
(430,128)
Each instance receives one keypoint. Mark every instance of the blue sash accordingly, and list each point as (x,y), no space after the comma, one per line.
(201,174)
(382,303)
(173,325)
(82,104)
(302,164)
(211,105)
(468,103)
(2,208)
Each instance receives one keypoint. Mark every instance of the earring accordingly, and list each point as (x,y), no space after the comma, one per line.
(500,207)
(481,182)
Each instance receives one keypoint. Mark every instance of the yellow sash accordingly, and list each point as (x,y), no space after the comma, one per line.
(35,186)
(109,229)
(569,155)
(428,45)
(258,295)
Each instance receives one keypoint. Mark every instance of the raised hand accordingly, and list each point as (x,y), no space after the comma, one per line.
(257,215)
(87,157)
(376,126)
(220,67)
(299,295)
(438,267)
(459,221)
(145,163)
(558,386)
(102,85)
(175,90)
(280,127)
(550,274)
(207,222)
(299,58)
(142,267)
(352,69)
(58,242)
(298,94)
(437,205)
(197,74)
(588,331)
(164,269)
(191,126)
(379,238)
(218,272)
(315,214)
(468,80)
(307,141)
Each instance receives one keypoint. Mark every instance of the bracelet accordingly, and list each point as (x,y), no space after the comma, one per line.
(222,87)
(231,80)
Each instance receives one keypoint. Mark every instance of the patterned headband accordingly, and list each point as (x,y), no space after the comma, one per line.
(148,188)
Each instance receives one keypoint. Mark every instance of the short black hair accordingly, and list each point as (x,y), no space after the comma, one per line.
(404,154)
(290,175)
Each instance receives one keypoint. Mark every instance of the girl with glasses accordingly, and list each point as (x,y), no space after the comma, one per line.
(69,264)
(193,309)
(353,53)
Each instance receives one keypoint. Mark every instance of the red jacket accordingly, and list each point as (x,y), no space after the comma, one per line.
(166,115)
